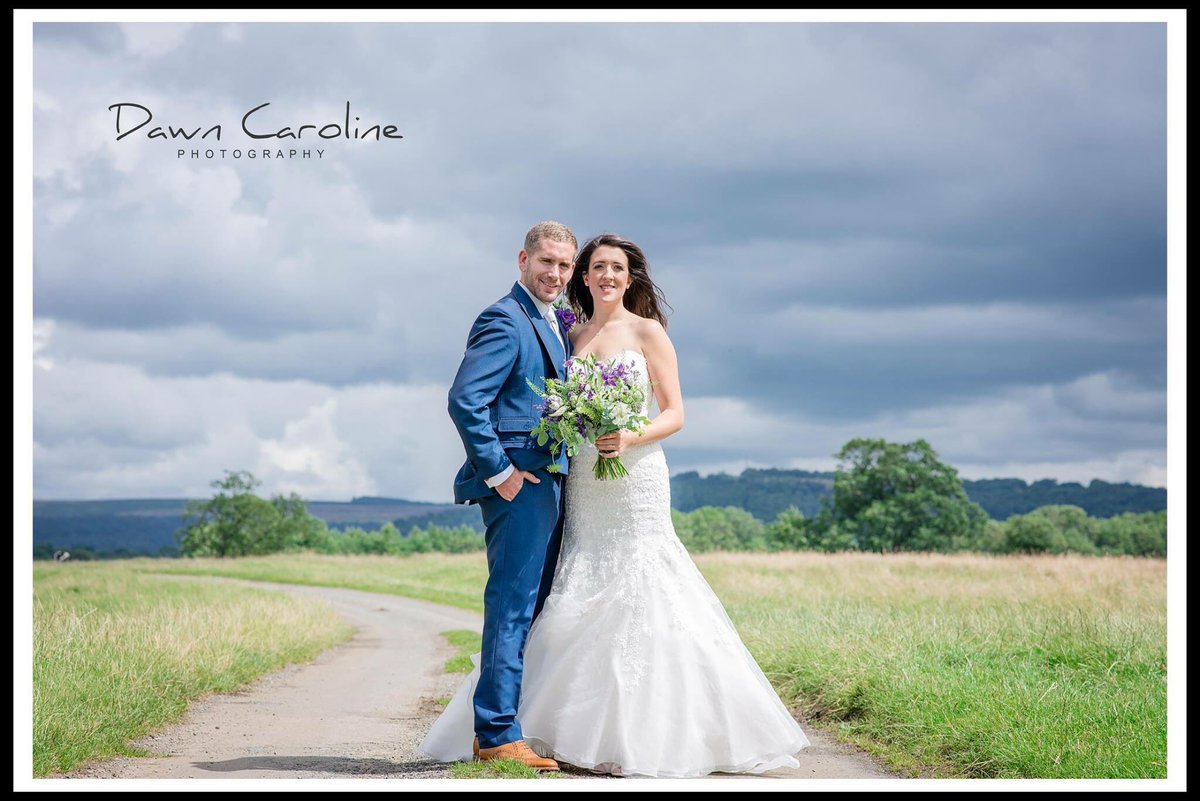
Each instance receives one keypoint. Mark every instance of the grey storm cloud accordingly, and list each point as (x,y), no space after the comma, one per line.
(102,38)
(853,223)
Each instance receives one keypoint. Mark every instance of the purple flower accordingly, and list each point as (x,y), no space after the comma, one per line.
(565,316)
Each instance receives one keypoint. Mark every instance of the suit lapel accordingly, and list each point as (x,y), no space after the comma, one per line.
(542,328)
(566,339)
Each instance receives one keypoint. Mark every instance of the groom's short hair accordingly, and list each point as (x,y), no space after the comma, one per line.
(549,229)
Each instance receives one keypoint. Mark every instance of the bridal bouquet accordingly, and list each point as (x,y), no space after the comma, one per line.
(593,400)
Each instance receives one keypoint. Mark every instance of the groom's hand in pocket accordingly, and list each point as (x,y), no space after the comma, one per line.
(512,485)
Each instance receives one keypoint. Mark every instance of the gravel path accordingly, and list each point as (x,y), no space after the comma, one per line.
(359,709)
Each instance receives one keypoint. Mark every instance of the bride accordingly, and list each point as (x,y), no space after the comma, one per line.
(632,667)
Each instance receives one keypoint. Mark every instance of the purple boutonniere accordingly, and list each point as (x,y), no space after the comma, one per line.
(562,310)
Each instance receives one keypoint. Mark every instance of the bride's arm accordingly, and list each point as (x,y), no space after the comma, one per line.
(664,377)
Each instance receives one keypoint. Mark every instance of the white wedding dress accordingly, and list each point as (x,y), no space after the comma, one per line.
(633,667)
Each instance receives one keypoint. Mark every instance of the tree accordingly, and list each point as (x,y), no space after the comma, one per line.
(834,538)
(748,531)
(1034,533)
(296,529)
(789,531)
(710,528)
(994,538)
(1150,535)
(1074,525)
(898,497)
(236,522)
(1135,534)
(711,531)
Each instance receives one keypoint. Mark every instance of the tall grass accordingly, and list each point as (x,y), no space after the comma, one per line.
(117,653)
(969,666)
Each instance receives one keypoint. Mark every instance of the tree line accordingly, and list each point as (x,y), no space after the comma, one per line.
(886,497)
(1050,529)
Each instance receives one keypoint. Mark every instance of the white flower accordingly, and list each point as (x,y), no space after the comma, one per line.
(554,406)
(621,414)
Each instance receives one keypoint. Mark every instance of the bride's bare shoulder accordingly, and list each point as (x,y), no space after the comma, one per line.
(656,346)
(651,332)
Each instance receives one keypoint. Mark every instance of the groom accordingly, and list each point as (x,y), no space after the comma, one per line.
(518,337)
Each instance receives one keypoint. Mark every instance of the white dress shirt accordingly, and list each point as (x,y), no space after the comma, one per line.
(550,317)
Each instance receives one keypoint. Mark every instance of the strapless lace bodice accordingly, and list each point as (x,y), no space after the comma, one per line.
(641,370)
(603,509)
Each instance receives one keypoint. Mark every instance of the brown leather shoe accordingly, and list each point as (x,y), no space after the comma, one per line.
(518,750)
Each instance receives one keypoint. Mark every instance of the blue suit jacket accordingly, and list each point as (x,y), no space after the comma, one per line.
(490,402)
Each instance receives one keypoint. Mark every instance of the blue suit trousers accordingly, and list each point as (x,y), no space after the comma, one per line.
(523,539)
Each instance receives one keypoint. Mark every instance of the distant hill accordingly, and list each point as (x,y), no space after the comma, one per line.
(762,493)
(148,526)
(373,510)
(1002,498)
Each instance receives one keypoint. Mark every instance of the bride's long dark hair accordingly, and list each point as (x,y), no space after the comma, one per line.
(642,296)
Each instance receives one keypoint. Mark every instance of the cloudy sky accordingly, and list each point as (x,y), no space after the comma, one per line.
(947,231)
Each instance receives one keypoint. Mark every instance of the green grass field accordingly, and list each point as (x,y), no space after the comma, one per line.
(942,665)
(118,652)
(966,666)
